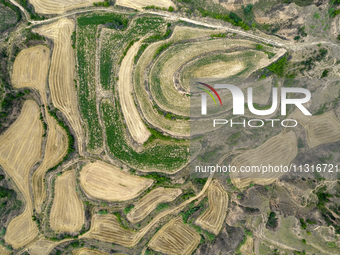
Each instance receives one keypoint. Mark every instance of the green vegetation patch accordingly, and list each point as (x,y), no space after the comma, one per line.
(117,43)
(8,202)
(191,209)
(112,19)
(86,55)
(215,11)
(279,67)
(111,54)
(9,15)
(272,222)
(156,155)
(30,9)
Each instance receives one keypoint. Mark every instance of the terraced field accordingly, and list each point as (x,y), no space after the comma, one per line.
(67,213)
(20,149)
(55,150)
(150,201)
(175,238)
(42,246)
(103,125)
(134,123)
(59,6)
(30,69)
(106,182)
(212,219)
(321,129)
(107,228)
(61,75)
(168,75)
(282,149)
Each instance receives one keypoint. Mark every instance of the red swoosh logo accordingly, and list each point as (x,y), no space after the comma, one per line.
(213,90)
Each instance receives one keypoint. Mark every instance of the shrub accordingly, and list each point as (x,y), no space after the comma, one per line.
(161,207)
(128,209)
(247,9)
(272,222)
(279,67)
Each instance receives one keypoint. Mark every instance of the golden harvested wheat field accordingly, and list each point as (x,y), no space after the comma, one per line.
(175,238)
(67,213)
(278,150)
(150,201)
(55,150)
(86,251)
(135,125)
(59,6)
(4,251)
(42,246)
(62,74)
(106,228)
(30,69)
(139,4)
(320,129)
(213,218)
(20,149)
(102,181)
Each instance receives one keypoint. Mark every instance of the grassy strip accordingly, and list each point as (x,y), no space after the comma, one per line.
(86,49)
(70,147)
(131,43)
(116,20)
(214,11)
(278,67)
(33,37)
(151,39)
(158,135)
(161,49)
(106,3)
(128,209)
(232,18)
(160,179)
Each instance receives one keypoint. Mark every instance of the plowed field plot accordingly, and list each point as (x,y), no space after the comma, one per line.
(278,150)
(67,213)
(175,238)
(213,218)
(106,182)
(20,149)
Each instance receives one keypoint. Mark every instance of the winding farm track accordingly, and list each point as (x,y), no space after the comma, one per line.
(264,38)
